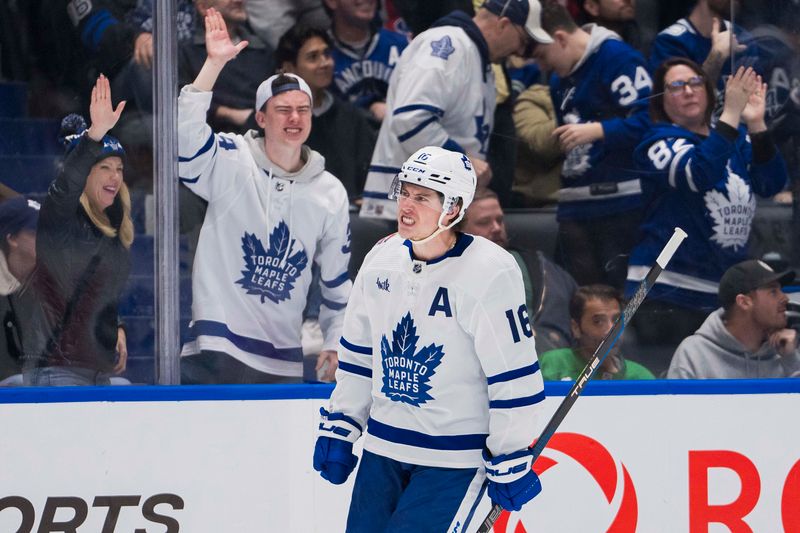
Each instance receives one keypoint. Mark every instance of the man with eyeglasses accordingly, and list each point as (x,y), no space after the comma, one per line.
(599,86)
(442,92)
(438,367)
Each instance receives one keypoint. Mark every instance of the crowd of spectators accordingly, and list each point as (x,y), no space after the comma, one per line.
(622,123)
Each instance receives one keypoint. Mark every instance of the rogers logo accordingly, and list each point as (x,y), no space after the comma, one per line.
(73,511)
(598,462)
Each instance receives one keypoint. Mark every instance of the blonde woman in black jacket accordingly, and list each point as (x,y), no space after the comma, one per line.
(83,256)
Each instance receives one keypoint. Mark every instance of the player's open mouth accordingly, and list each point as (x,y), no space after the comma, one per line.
(408,221)
(292,131)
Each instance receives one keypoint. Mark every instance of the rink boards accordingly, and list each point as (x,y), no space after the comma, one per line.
(650,457)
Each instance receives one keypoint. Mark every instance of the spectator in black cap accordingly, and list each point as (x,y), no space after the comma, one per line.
(83,245)
(18,217)
(747,337)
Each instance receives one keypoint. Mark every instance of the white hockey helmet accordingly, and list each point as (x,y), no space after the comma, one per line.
(447,172)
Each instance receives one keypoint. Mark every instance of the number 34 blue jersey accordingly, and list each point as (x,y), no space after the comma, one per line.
(437,358)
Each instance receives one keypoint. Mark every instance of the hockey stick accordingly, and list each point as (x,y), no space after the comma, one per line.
(599,355)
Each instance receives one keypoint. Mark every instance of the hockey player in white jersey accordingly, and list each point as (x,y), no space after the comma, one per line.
(438,368)
(272,210)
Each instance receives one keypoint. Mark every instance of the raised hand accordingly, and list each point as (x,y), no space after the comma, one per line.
(738,90)
(101,110)
(754,110)
(219,47)
(143,50)
(722,42)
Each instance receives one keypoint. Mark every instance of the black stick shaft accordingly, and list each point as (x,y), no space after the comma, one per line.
(602,351)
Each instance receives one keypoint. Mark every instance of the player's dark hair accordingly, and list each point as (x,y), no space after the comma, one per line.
(657,113)
(293,40)
(556,17)
(577,303)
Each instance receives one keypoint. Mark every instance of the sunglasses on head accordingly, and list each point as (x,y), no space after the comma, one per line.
(678,86)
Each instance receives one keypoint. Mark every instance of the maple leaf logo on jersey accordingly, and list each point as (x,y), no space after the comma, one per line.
(732,214)
(271,273)
(406,372)
(576,163)
(442,48)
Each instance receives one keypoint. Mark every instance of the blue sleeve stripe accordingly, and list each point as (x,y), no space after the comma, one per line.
(188,180)
(355,369)
(247,344)
(423,440)
(336,306)
(415,107)
(383,170)
(206,147)
(339,280)
(517,402)
(94,28)
(379,195)
(407,135)
(514,374)
(453,146)
(364,350)
(345,418)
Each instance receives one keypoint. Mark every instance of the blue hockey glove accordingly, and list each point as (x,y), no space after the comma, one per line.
(512,481)
(334,459)
(333,452)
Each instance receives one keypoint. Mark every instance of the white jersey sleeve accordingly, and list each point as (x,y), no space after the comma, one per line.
(333,259)
(422,99)
(505,346)
(352,395)
(199,148)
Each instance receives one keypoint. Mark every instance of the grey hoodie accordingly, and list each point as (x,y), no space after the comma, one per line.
(713,353)
(597,36)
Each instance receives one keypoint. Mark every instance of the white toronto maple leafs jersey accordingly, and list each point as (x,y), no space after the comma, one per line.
(442,93)
(263,229)
(707,187)
(437,358)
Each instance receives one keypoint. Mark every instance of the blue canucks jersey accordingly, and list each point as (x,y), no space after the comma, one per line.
(707,187)
(610,85)
(363,78)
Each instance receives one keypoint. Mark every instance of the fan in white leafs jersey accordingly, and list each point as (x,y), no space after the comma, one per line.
(252,269)
(442,93)
(428,333)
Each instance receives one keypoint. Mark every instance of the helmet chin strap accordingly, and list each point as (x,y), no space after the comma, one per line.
(439,229)
(429,237)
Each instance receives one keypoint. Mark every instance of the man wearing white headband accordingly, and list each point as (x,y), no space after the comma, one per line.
(438,367)
(272,210)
